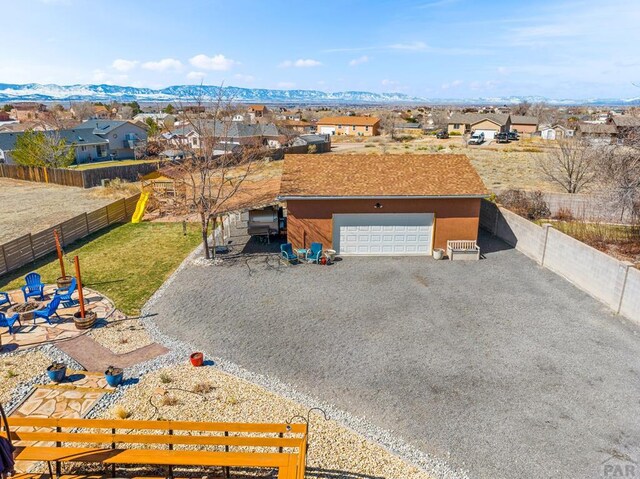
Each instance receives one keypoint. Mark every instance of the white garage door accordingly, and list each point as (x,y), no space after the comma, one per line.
(327,130)
(383,234)
(488,134)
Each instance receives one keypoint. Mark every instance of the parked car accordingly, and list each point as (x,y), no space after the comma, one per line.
(513,136)
(476,139)
(501,137)
(442,135)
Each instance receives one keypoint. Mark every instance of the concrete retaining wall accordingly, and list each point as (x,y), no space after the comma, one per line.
(615,283)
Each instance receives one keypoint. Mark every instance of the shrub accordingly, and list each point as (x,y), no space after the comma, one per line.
(563,214)
(530,205)
(165,378)
(170,400)
(203,388)
(121,413)
(455,133)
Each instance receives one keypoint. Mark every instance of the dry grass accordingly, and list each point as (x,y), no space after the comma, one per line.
(117,189)
(119,412)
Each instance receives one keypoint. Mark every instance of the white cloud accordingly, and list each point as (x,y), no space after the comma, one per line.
(301,63)
(286,84)
(413,46)
(196,75)
(163,65)
(124,65)
(216,62)
(359,60)
(244,78)
(387,82)
(453,84)
(100,76)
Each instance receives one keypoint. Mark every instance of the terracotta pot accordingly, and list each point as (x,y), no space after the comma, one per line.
(196,359)
(63,282)
(87,322)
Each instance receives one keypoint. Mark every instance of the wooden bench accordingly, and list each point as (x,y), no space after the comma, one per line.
(463,250)
(260,445)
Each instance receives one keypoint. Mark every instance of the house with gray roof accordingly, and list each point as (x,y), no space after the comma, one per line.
(627,127)
(88,146)
(487,123)
(234,132)
(123,136)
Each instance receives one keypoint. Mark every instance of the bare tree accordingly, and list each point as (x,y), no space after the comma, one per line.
(571,165)
(389,123)
(82,111)
(126,112)
(620,176)
(213,170)
(521,109)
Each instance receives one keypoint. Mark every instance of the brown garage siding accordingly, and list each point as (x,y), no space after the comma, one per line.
(312,220)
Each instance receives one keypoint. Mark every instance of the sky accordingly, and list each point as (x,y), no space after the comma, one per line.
(576,49)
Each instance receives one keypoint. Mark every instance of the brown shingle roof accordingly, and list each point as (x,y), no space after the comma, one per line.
(524,120)
(379,175)
(349,120)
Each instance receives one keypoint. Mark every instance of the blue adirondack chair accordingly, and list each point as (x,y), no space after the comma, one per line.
(4,298)
(65,293)
(48,311)
(34,286)
(286,250)
(314,253)
(8,322)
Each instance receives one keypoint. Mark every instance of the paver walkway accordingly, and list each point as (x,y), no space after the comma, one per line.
(95,357)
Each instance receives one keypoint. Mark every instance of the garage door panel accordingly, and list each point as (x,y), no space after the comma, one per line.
(390,233)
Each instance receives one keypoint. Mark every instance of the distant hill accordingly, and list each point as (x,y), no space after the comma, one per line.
(186,93)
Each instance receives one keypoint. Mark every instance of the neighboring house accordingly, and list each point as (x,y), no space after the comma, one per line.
(4,116)
(101,112)
(289,115)
(487,123)
(526,125)
(349,125)
(257,111)
(409,129)
(164,120)
(88,147)
(596,133)
(123,136)
(300,126)
(555,132)
(627,127)
(390,205)
(234,132)
(27,110)
(301,144)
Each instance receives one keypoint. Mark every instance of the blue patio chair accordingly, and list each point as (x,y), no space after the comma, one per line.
(8,322)
(4,298)
(314,253)
(48,311)
(65,293)
(34,287)
(286,251)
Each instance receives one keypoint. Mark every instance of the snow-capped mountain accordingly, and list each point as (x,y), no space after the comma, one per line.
(188,93)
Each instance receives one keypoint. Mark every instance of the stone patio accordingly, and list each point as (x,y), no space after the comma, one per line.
(30,335)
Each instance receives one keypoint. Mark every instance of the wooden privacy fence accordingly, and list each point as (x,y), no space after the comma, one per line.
(78,178)
(30,247)
(58,176)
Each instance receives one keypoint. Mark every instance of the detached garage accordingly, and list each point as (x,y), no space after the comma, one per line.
(381,205)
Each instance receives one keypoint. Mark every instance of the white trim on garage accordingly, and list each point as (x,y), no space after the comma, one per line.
(383,234)
(488,134)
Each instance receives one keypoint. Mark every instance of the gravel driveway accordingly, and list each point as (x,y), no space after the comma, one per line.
(497,367)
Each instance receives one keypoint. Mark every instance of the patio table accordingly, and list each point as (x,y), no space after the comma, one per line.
(302,253)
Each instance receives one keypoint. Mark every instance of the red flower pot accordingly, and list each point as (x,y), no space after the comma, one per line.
(196,359)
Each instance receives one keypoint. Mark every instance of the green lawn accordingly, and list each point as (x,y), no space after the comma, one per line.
(128,263)
(105,164)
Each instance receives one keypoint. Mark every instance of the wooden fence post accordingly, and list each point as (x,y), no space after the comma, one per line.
(106,209)
(86,221)
(33,251)
(4,255)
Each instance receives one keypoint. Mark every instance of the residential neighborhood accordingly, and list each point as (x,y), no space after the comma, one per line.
(380,246)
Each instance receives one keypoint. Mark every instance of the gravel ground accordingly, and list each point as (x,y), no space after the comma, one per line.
(122,335)
(233,399)
(496,367)
(28,207)
(18,369)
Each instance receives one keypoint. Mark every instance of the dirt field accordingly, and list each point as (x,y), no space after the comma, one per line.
(27,207)
(501,166)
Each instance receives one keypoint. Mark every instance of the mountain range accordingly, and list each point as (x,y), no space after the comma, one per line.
(188,93)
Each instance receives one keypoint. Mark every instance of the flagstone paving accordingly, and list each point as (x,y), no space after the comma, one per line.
(73,399)
(30,335)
